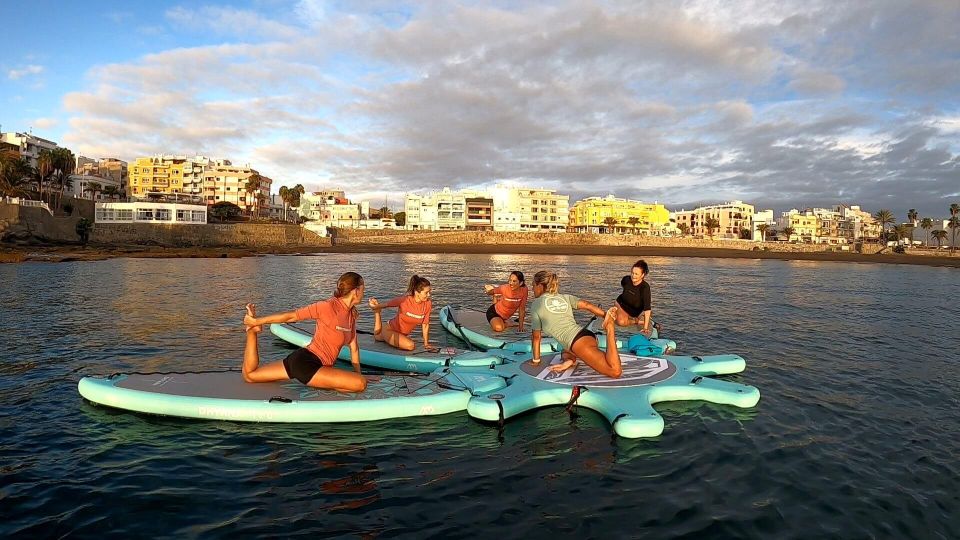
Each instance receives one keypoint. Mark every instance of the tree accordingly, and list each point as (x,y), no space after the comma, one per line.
(763,228)
(252,186)
(746,234)
(954,224)
(15,174)
(927,224)
(284,193)
(93,188)
(633,221)
(712,224)
(111,192)
(401,219)
(385,212)
(610,222)
(261,199)
(63,163)
(224,210)
(901,232)
(939,235)
(788,232)
(83,230)
(912,216)
(43,171)
(683,228)
(884,218)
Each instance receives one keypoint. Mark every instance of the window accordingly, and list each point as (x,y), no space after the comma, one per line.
(144,214)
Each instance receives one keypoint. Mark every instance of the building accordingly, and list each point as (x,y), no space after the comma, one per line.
(444,210)
(732,218)
(223,181)
(82,184)
(857,224)
(764,217)
(590,215)
(106,172)
(539,210)
(166,174)
(155,212)
(802,226)
(479,213)
(324,210)
(28,145)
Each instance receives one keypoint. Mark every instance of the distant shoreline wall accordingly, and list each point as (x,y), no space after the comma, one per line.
(251,235)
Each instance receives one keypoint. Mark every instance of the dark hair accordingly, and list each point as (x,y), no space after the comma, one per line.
(642,264)
(519,275)
(347,283)
(417,284)
(549,280)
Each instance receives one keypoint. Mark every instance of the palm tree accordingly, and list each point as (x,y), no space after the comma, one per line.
(788,231)
(633,221)
(610,222)
(261,198)
(111,192)
(712,224)
(44,169)
(912,216)
(954,209)
(14,174)
(927,224)
(884,218)
(385,212)
(954,224)
(284,192)
(93,188)
(902,232)
(939,235)
(683,228)
(763,227)
(251,187)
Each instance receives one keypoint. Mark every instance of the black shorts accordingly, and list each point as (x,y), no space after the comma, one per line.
(582,333)
(633,311)
(492,313)
(302,365)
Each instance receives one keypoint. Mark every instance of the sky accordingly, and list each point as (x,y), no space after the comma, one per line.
(787,104)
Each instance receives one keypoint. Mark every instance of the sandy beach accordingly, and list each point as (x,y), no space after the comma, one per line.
(66,253)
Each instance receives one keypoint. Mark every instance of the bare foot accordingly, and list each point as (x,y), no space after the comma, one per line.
(250,317)
(610,318)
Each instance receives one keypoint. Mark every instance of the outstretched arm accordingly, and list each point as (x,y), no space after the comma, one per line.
(355,353)
(521,318)
(285,317)
(596,310)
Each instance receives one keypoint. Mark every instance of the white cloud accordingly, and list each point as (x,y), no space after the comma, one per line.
(15,74)
(44,123)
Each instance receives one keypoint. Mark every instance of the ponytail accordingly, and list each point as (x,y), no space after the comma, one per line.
(345,285)
(549,280)
(417,284)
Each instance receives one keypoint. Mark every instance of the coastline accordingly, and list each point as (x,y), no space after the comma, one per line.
(72,253)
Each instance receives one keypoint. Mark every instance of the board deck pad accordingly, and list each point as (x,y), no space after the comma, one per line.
(477,321)
(230,385)
(637,371)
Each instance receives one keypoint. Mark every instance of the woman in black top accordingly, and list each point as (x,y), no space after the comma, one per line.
(634,301)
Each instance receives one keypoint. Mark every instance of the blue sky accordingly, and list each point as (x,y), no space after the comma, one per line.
(785,104)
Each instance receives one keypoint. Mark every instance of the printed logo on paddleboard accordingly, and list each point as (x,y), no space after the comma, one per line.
(637,371)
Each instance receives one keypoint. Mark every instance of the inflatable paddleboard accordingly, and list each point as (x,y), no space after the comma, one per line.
(380,355)
(627,401)
(471,326)
(226,396)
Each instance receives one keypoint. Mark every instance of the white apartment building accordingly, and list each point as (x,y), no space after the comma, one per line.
(81,183)
(733,217)
(539,210)
(763,217)
(323,210)
(150,212)
(443,210)
(223,181)
(29,145)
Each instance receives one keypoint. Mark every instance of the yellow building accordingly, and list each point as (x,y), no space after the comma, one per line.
(590,215)
(806,227)
(162,174)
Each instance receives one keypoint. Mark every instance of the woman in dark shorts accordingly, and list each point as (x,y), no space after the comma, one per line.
(634,302)
(313,365)
(552,314)
(509,299)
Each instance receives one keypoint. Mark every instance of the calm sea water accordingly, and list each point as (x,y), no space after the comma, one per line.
(856,435)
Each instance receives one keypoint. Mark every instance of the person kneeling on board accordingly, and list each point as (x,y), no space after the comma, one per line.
(508,299)
(552,314)
(313,365)
(413,308)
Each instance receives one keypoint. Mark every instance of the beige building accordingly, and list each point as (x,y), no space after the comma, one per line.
(733,217)
(539,210)
(443,210)
(28,145)
(108,172)
(223,181)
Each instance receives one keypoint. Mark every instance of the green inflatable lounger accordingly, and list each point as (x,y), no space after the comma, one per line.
(226,396)
(378,354)
(471,326)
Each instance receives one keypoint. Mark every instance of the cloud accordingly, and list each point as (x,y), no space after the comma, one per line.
(44,123)
(784,104)
(15,74)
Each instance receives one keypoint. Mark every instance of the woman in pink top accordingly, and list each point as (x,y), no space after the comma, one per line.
(313,365)
(413,309)
(507,300)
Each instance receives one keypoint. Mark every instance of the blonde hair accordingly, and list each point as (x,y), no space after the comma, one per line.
(549,280)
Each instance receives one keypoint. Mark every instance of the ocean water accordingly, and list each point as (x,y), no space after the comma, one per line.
(855,436)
